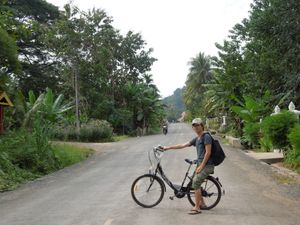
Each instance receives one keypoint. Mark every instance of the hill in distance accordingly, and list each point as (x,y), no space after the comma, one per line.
(175,105)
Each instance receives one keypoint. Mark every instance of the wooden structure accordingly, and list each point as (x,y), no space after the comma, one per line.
(4,102)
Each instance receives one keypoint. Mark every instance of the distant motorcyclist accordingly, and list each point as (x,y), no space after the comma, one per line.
(165,127)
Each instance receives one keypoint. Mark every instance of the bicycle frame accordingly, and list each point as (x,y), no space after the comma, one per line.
(176,188)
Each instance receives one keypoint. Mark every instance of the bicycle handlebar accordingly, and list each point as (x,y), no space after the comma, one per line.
(159,148)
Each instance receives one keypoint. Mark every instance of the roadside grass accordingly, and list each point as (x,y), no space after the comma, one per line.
(69,154)
(66,154)
(291,167)
(120,137)
(10,181)
(224,141)
(283,179)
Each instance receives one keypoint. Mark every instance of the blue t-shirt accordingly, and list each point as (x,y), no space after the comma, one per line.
(200,143)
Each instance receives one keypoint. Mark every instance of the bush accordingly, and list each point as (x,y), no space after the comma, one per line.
(30,151)
(276,128)
(251,135)
(93,131)
(213,124)
(265,144)
(293,155)
(25,156)
(96,130)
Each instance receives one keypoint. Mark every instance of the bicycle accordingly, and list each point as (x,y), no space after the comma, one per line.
(148,190)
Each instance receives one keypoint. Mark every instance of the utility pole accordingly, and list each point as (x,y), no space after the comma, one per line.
(77,114)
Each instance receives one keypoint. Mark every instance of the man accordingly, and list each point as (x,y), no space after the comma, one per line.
(205,166)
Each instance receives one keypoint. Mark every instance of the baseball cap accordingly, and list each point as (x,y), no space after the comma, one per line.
(197,121)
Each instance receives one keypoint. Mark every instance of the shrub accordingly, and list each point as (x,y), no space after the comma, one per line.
(24,156)
(251,135)
(30,151)
(96,130)
(276,128)
(293,155)
(265,144)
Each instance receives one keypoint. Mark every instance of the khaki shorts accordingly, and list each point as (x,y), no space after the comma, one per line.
(200,177)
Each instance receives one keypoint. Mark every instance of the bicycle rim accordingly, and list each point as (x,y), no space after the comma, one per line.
(211,193)
(147,191)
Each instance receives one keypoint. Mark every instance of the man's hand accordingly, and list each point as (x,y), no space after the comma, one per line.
(165,148)
(199,168)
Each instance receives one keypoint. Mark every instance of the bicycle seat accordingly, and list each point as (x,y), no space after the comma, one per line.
(190,161)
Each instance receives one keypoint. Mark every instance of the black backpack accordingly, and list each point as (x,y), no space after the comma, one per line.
(217,153)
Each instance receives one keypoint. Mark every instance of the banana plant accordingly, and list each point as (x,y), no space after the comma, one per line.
(46,105)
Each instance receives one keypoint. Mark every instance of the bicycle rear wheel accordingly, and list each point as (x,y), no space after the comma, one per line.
(147,190)
(211,192)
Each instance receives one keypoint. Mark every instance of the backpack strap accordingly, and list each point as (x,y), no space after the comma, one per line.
(209,135)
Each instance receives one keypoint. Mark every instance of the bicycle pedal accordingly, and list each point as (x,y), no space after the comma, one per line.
(171,198)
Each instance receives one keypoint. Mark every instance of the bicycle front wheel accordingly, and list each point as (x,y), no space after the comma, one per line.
(147,190)
(211,193)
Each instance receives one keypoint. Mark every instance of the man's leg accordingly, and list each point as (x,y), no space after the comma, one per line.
(198,199)
(197,180)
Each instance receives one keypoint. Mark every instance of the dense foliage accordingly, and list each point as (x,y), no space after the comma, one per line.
(277,128)
(257,68)
(67,68)
(293,156)
(259,59)
(82,56)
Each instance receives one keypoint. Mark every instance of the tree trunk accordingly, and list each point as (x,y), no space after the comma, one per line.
(77,115)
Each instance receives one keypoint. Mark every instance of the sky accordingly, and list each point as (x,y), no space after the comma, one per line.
(177,30)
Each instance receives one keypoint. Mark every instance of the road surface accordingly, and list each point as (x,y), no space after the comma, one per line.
(97,191)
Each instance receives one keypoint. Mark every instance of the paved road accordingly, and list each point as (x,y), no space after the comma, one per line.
(97,191)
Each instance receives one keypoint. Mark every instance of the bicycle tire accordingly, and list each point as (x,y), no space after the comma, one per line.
(155,179)
(208,207)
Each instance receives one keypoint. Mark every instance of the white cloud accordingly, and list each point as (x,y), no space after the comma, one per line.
(176,29)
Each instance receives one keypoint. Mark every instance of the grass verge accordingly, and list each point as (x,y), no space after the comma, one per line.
(66,155)
(69,154)
(120,137)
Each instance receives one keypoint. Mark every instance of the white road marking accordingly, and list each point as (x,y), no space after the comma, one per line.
(108,222)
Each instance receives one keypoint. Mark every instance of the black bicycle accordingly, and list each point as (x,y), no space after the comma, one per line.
(148,190)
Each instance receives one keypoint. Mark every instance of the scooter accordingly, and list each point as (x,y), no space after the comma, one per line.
(165,129)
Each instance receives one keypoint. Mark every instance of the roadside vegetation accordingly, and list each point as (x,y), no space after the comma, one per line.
(72,76)
(26,156)
(257,68)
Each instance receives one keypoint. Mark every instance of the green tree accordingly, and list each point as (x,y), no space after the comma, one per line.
(102,61)
(199,75)
(8,55)
(28,22)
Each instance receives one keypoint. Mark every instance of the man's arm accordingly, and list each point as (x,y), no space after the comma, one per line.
(179,146)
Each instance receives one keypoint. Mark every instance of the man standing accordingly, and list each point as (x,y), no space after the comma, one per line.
(205,166)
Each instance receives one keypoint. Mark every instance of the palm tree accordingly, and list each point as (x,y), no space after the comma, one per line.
(199,75)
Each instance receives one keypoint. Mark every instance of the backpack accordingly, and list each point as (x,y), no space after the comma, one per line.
(217,153)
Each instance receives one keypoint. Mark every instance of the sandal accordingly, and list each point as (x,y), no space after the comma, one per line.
(194,212)
(203,206)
